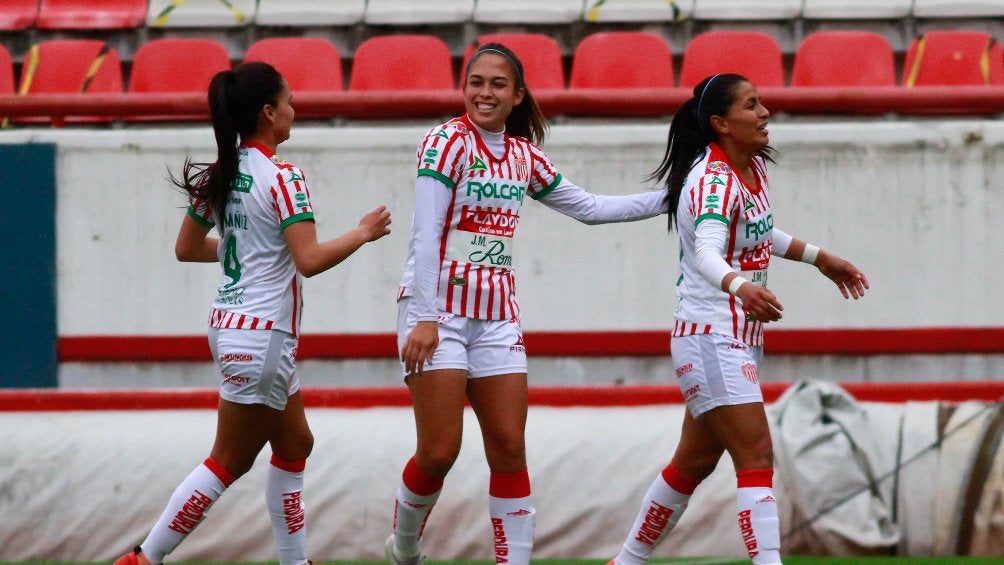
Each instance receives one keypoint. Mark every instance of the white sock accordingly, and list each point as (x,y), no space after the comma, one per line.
(284,500)
(185,510)
(513,521)
(411,511)
(660,510)
(759,524)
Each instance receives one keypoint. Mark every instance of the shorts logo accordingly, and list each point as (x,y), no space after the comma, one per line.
(741,346)
(691,392)
(236,358)
(519,346)
(749,371)
(230,378)
(684,369)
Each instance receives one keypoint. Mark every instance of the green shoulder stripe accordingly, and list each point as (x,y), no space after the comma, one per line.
(547,190)
(202,221)
(718,217)
(294,219)
(438,176)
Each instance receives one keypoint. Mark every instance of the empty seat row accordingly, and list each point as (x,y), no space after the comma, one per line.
(621,60)
(125,14)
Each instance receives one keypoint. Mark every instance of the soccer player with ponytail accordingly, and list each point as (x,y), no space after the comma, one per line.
(715,170)
(458,319)
(267,242)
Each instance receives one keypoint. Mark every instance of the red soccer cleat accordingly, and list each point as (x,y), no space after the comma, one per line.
(135,557)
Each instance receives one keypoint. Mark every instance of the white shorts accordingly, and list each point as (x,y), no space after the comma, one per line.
(256,366)
(483,348)
(716,370)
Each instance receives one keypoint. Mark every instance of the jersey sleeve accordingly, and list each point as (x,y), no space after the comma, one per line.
(714,197)
(291,197)
(200,212)
(441,154)
(544,177)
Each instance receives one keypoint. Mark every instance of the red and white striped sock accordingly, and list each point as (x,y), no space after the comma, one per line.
(284,500)
(513,516)
(661,508)
(415,498)
(758,518)
(186,509)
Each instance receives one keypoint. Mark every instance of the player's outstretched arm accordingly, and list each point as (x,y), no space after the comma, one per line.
(312,257)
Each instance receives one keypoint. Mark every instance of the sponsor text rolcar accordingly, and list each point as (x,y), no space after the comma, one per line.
(500,541)
(193,511)
(292,506)
(746,529)
(656,520)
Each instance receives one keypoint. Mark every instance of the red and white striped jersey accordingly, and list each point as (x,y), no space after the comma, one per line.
(714,192)
(476,277)
(261,288)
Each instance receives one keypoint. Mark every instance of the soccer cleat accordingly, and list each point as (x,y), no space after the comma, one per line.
(393,559)
(134,557)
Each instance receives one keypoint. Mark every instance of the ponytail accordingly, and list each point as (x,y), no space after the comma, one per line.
(235,99)
(690,133)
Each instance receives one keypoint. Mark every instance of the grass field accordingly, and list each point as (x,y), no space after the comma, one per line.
(690,561)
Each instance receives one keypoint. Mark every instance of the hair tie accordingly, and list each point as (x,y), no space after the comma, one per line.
(700,100)
(515,67)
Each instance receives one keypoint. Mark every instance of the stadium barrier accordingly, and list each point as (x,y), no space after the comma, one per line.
(620,103)
(861,470)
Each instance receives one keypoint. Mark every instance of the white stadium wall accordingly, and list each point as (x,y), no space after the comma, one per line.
(916,204)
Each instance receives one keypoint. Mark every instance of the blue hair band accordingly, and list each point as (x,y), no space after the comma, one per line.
(700,100)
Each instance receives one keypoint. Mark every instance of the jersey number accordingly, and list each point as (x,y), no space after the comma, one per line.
(231,265)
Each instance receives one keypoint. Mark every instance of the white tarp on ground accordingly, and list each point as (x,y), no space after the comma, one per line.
(86,486)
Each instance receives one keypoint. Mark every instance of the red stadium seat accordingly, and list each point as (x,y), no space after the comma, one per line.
(91,14)
(953,57)
(539,53)
(177,65)
(18,14)
(6,72)
(402,62)
(622,59)
(844,58)
(70,66)
(307,63)
(754,55)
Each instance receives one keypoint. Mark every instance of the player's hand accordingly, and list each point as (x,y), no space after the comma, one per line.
(374,224)
(419,347)
(759,303)
(851,281)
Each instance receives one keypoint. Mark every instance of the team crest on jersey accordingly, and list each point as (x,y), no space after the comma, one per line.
(719,167)
(478,165)
(749,371)
(522,169)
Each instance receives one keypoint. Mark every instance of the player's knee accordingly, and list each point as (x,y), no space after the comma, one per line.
(507,451)
(437,461)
